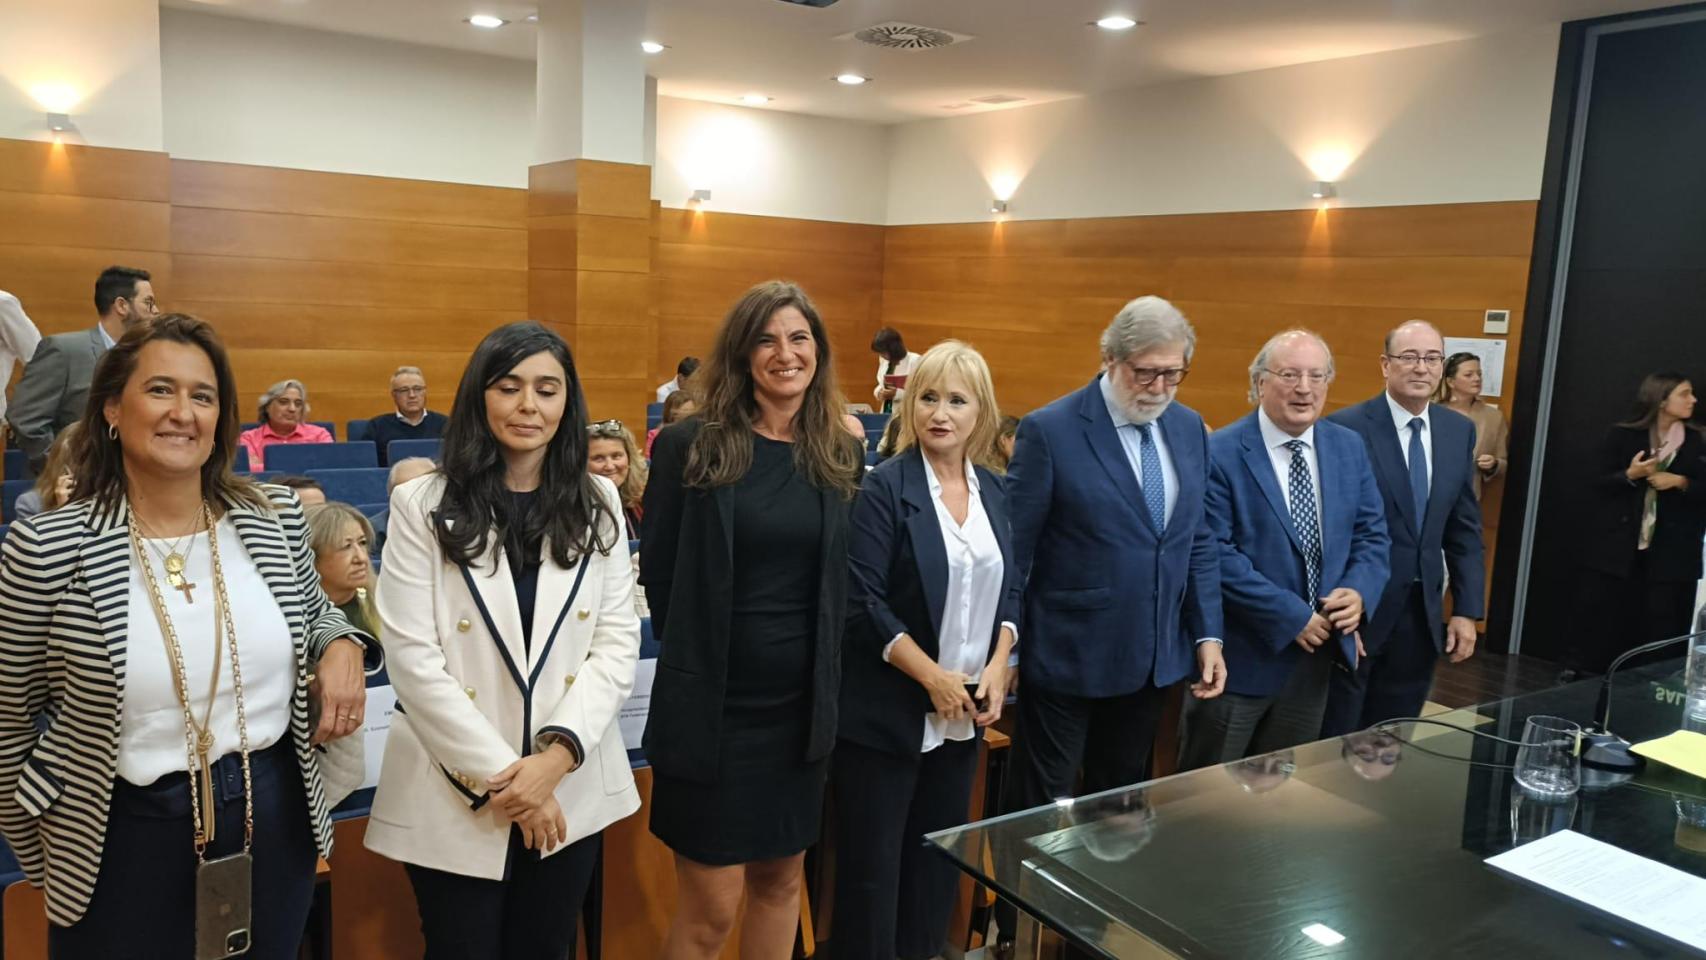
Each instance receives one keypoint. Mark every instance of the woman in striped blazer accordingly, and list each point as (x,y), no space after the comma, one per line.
(156,641)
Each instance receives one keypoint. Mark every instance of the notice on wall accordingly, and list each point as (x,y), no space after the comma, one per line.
(1492,354)
(381,704)
(632,718)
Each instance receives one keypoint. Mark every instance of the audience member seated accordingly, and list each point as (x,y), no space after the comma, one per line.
(402,472)
(54,485)
(679,406)
(340,536)
(284,419)
(1004,443)
(308,489)
(611,452)
(411,420)
(889,440)
(683,371)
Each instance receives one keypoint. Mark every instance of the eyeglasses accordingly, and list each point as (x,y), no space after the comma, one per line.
(1146,376)
(605,428)
(408,391)
(1292,378)
(1432,360)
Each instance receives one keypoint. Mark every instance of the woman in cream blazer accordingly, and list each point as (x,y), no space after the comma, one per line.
(504,760)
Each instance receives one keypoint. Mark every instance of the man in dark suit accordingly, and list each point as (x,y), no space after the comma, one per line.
(55,385)
(1424,460)
(1302,544)
(1121,582)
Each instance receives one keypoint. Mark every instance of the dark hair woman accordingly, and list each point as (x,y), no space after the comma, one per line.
(175,774)
(745,568)
(508,762)
(894,364)
(1647,512)
(1460,390)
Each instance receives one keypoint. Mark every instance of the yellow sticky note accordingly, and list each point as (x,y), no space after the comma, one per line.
(1684,750)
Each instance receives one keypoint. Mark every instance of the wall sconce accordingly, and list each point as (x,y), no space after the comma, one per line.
(61,123)
(700,198)
(1324,190)
(997,206)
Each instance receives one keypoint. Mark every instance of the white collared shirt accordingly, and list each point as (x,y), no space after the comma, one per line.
(1132,441)
(18,340)
(975,569)
(106,338)
(1401,422)
(1275,440)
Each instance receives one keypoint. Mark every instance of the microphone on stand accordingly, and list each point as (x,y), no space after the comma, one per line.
(1602,749)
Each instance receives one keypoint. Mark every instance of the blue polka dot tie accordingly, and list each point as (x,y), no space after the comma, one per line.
(1154,483)
(1300,500)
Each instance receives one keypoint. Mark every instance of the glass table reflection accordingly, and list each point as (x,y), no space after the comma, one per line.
(1366,846)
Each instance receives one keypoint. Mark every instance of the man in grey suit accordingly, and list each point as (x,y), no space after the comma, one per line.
(55,385)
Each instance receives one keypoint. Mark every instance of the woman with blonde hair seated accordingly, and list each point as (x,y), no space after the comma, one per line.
(341,538)
(58,477)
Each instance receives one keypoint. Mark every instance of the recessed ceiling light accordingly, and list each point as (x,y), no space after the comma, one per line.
(486,21)
(754,99)
(850,79)
(1116,23)
(533,18)
(652,46)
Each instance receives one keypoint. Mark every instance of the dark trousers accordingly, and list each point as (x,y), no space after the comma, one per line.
(1391,682)
(892,895)
(144,901)
(1233,726)
(1617,613)
(1110,738)
(530,915)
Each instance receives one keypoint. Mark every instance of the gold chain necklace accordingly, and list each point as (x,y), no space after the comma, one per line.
(199,739)
(173,560)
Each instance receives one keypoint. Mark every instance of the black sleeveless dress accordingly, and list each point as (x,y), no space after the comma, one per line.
(767,801)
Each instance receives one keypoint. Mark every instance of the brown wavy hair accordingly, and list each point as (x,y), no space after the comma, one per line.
(100,456)
(828,456)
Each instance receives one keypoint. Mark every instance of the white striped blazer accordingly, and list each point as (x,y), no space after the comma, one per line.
(64,601)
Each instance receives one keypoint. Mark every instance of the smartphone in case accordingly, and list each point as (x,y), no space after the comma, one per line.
(222,900)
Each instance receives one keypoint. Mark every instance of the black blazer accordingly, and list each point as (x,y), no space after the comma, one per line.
(899,584)
(1613,527)
(687,567)
(1450,530)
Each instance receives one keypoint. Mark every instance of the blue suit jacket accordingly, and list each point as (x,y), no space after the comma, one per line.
(1262,576)
(1452,526)
(899,584)
(1110,604)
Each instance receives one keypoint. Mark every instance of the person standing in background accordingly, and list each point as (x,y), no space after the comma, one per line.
(1460,390)
(18,340)
(55,385)
(683,372)
(894,363)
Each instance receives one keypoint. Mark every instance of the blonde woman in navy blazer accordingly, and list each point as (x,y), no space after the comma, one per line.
(933,605)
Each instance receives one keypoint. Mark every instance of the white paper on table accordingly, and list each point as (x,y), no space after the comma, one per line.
(381,703)
(1628,886)
(1492,354)
(639,704)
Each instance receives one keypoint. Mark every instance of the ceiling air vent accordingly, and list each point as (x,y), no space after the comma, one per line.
(895,35)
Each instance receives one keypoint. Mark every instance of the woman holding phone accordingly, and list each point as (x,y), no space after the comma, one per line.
(925,662)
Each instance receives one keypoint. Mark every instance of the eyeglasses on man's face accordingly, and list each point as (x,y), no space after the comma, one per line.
(1292,378)
(1410,358)
(1146,376)
(408,391)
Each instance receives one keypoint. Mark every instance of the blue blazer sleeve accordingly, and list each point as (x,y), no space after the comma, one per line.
(874,528)
(1030,488)
(1464,550)
(1258,597)
(1203,617)
(1370,562)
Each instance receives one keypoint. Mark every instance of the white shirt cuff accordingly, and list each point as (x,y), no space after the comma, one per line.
(1204,640)
(888,647)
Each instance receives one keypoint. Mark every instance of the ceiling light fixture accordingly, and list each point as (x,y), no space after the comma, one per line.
(1324,190)
(851,79)
(486,21)
(1116,23)
(998,206)
(754,99)
(60,123)
(652,46)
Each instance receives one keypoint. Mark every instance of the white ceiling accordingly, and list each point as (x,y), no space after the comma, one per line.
(1039,50)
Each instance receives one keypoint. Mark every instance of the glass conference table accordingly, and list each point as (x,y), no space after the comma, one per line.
(1378,839)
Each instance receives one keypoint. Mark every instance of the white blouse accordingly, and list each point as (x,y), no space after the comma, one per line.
(151,729)
(974,595)
(902,369)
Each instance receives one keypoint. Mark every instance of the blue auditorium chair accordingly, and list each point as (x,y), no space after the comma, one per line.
(10,491)
(403,449)
(18,466)
(352,484)
(873,421)
(359,430)
(305,457)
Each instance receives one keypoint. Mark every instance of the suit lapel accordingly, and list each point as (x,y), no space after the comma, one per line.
(494,595)
(107,549)
(1261,466)
(925,530)
(1104,442)
(557,591)
(1382,439)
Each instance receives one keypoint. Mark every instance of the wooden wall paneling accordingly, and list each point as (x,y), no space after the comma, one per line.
(234,186)
(284,236)
(31,166)
(374,915)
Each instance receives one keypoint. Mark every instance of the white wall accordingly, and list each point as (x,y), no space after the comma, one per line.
(1455,122)
(94,59)
(239,91)
(770,163)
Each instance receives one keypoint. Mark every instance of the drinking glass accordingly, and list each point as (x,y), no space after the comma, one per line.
(1549,764)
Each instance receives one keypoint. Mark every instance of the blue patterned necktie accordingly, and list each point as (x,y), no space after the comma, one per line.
(1154,483)
(1418,471)
(1300,500)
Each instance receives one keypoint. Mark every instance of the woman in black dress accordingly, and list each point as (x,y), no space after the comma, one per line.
(745,569)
